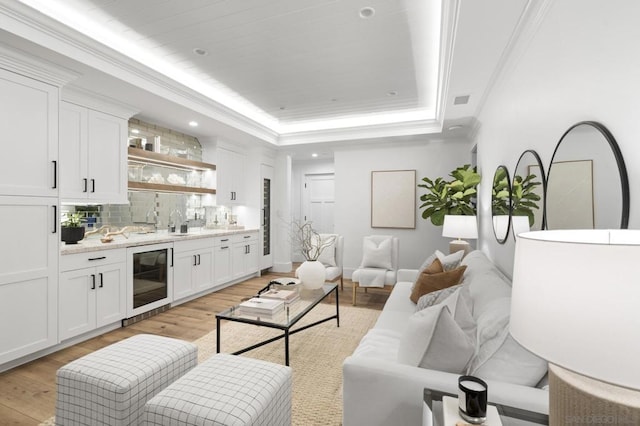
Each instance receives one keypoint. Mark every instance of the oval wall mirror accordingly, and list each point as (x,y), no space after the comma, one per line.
(587,183)
(527,194)
(501,204)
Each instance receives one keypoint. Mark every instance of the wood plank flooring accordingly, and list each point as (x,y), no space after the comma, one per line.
(27,392)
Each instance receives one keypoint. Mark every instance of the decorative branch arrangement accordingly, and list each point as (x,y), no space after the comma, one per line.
(310,243)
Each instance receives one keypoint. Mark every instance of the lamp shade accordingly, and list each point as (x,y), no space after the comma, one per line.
(576,301)
(458,226)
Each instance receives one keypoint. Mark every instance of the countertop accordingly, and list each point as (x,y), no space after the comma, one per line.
(93,243)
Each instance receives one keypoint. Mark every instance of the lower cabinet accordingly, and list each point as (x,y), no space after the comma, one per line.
(222,270)
(193,267)
(245,254)
(92,296)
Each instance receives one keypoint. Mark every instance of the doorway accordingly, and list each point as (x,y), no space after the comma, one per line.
(318,201)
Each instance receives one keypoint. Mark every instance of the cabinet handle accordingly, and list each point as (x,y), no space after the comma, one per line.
(195,260)
(224,248)
(93,282)
(101,280)
(97,258)
(224,241)
(172,257)
(86,184)
(93,185)
(247,236)
(55,219)
(55,174)
(198,259)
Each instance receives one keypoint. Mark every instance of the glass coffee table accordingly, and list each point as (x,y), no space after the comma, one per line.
(284,320)
(510,416)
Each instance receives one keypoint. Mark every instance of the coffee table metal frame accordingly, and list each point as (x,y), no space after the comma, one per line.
(286,326)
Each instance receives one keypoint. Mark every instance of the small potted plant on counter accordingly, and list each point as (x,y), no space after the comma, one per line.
(72,229)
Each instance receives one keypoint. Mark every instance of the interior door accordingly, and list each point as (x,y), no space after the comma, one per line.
(266,258)
(318,202)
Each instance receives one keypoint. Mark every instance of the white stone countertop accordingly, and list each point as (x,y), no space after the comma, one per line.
(93,243)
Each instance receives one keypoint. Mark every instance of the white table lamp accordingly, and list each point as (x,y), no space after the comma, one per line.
(459,227)
(576,303)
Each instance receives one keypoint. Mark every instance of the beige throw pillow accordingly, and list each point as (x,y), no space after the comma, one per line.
(428,282)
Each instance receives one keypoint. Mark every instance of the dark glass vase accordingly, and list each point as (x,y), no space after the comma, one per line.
(71,235)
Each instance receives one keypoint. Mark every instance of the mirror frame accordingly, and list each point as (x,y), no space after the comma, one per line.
(543,177)
(508,177)
(622,169)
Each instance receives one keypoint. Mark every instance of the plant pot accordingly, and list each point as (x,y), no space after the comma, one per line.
(71,235)
(312,274)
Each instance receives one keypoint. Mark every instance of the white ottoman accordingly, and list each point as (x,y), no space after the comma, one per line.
(225,390)
(110,386)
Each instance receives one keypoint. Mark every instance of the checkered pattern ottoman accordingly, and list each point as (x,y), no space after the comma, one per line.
(110,386)
(225,390)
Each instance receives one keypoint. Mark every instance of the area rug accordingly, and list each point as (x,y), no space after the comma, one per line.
(315,355)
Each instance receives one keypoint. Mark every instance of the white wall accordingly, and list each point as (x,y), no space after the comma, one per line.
(581,63)
(353,167)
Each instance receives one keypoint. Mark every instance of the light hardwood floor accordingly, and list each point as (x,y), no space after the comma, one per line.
(28,392)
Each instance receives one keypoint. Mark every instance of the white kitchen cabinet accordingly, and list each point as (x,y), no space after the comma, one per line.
(93,155)
(245,254)
(230,178)
(29,129)
(193,268)
(92,296)
(28,275)
(222,270)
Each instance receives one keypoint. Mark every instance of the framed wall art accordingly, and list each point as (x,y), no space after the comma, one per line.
(393,199)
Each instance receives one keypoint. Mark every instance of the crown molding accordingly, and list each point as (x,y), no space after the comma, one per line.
(22,63)
(89,99)
(363,132)
(450,12)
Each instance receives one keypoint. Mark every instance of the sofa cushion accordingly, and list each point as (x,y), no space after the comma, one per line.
(428,282)
(459,304)
(379,343)
(432,339)
(436,297)
(450,261)
(398,309)
(376,254)
(485,288)
(498,356)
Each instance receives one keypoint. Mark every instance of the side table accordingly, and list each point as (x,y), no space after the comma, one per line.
(510,416)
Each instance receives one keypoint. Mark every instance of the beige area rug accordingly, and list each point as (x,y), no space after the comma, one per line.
(315,355)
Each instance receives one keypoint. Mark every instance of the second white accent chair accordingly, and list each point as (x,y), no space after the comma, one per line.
(379,265)
(331,258)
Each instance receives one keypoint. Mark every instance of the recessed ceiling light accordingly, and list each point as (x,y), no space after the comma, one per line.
(135,131)
(282,108)
(193,123)
(200,52)
(334,99)
(314,155)
(392,93)
(367,12)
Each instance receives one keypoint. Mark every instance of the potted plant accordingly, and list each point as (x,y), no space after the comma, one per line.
(311,245)
(454,197)
(72,230)
(523,196)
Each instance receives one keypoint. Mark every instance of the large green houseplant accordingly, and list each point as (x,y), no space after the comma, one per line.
(453,197)
(524,198)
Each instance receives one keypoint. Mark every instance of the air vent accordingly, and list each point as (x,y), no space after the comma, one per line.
(461,100)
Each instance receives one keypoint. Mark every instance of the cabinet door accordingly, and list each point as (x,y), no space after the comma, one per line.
(107,158)
(73,151)
(29,129)
(110,294)
(28,275)
(229,178)
(183,267)
(252,258)
(203,279)
(77,302)
(239,254)
(222,264)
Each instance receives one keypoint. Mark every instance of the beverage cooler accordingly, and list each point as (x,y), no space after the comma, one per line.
(149,277)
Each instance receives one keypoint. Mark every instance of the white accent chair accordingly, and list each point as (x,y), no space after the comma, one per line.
(376,265)
(332,272)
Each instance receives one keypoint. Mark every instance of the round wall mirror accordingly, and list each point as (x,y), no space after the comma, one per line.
(587,183)
(527,194)
(501,204)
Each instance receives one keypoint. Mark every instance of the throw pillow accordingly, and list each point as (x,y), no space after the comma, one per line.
(376,255)
(435,297)
(432,339)
(328,255)
(460,305)
(428,261)
(451,261)
(432,282)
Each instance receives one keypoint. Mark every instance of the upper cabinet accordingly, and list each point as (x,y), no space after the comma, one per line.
(93,159)
(230,178)
(29,129)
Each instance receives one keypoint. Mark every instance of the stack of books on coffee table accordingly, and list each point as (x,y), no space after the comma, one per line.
(287,296)
(260,306)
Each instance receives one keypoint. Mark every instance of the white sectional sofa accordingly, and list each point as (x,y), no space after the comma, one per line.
(379,390)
